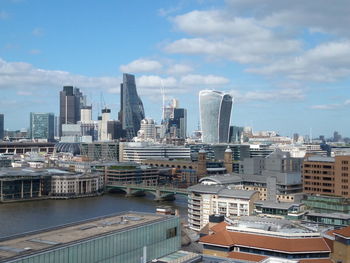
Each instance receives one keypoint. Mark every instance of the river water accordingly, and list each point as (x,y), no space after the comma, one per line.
(16,218)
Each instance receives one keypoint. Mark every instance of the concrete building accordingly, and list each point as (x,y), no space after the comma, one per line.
(327,175)
(42,126)
(131,107)
(215,115)
(24,147)
(75,185)
(138,152)
(147,130)
(103,126)
(205,200)
(127,237)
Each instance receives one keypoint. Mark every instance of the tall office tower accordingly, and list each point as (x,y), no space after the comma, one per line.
(42,126)
(71,101)
(131,107)
(177,125)
(215,115)
(103,125)
(1,127)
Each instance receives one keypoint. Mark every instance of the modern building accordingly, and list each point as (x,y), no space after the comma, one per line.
(215,114)
(100,151)
(177,124)
(205,200)
(327,175)
(327,204)
(257,239)
(131,107)
(103,125)
(147,130)
(128,237)
(1,127)
(140,151)
(71,101)
(24,147)
(42,126)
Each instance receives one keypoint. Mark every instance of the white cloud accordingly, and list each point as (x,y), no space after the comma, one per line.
(154,81)
(285,94)
(141,65)
(326,62)
(24,76)
(198,80)
(24,93)
(332,106)
(219,35)
(179,69)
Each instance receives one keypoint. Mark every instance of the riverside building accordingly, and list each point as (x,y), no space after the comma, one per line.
(128,237)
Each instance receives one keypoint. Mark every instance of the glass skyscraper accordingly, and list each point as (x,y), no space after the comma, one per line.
(42,126)
(131,108)
(215,115)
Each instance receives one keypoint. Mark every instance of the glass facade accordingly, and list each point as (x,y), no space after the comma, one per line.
(42,126)
(160,238)
(215,115)
(132,112)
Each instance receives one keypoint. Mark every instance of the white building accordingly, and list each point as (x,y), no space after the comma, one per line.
(68,185)
(205,200)
(139,151)
(147,130)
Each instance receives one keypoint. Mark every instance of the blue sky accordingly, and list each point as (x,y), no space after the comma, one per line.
(287,63)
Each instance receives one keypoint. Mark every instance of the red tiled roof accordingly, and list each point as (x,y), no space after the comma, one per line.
(246,256)
(219,227)
(232,238)
(345,232)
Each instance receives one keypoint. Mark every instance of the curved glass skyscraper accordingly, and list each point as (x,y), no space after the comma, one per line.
(131,107)
(215,114)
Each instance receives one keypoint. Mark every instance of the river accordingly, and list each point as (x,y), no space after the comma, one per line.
(16,218)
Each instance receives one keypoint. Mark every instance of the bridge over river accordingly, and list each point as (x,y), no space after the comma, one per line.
(161,193)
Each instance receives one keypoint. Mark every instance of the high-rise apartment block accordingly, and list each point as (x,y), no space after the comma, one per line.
(42,126)
(1,127)
(327,175)
(131,107)
(71,101)
(215,115)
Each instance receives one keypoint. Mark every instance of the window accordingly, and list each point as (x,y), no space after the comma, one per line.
(171,232)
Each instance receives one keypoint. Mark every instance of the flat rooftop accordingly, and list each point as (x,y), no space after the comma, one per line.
(61,236)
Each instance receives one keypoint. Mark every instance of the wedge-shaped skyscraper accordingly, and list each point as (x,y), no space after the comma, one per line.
(131,107)
(215,114)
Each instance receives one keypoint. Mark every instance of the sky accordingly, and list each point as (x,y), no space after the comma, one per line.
(286,63)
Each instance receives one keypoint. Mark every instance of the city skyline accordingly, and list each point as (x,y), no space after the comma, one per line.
(286,69)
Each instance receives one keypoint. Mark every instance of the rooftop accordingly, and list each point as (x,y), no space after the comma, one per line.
(221,191)
(222,179)
(345,232)
(37,241)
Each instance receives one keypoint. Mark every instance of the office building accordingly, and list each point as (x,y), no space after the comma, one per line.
(103,125)
(42,126)
(140,151)
(177,124)
(97,151)
(205,200)
(131,107)
(71,101)
(147,130)
(327,175)
(125,237)
(1,127)
(341,245)
(215,115)
(257,239)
